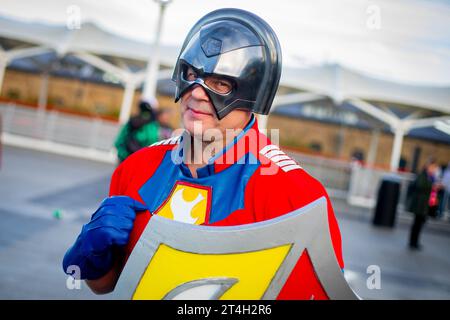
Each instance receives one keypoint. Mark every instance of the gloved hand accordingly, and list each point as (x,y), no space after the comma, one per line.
(110,227)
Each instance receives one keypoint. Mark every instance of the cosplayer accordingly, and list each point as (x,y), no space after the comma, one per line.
(228,70)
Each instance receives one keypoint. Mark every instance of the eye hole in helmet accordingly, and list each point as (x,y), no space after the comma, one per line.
(189,74)
(220,85)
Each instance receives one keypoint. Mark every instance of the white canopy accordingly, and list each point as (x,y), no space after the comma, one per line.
(90,38)
(339,83)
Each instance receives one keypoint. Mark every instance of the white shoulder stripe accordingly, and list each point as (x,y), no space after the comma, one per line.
(285,163)
(279,158)
(268,148)
(291,167)
(173,140)
(273,153)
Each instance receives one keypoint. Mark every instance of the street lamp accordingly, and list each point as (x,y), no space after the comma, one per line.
(151,77)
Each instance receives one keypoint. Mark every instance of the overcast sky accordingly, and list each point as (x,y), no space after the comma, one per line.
(404,40)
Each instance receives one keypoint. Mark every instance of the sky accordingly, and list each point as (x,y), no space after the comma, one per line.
(406,41)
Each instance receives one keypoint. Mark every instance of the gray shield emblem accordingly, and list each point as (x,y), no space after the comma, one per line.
(174,260)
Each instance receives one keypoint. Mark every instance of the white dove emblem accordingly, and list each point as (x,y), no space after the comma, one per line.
(182,209)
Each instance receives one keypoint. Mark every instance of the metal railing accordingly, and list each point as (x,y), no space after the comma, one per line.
(333,174)
(350,181)
(58,131)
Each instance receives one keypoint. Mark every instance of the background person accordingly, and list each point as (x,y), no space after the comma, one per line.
(420,200)
(140,131)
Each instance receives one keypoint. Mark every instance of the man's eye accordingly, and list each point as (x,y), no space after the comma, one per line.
(191,75)
(220,86)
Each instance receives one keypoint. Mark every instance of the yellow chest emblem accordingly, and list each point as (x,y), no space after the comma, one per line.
(188,203)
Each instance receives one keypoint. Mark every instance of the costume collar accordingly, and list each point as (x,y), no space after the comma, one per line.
(229,155)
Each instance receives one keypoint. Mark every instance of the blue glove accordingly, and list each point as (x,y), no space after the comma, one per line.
(109,228)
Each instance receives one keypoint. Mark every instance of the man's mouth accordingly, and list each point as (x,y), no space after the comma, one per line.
(199,112)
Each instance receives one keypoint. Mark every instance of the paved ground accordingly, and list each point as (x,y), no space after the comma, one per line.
(32,241)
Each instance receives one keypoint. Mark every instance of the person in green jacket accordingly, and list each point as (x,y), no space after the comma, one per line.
(420,199)
(140,131)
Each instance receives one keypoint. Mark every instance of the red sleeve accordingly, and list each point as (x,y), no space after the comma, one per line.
(115,187)
(127,180)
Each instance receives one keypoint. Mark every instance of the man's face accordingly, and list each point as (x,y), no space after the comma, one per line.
(197,108)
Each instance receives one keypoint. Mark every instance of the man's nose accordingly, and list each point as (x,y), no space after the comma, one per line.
(199,93)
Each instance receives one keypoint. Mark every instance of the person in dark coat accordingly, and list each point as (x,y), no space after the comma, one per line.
(420,199)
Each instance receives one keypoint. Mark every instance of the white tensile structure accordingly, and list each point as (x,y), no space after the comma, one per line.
(87,44)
